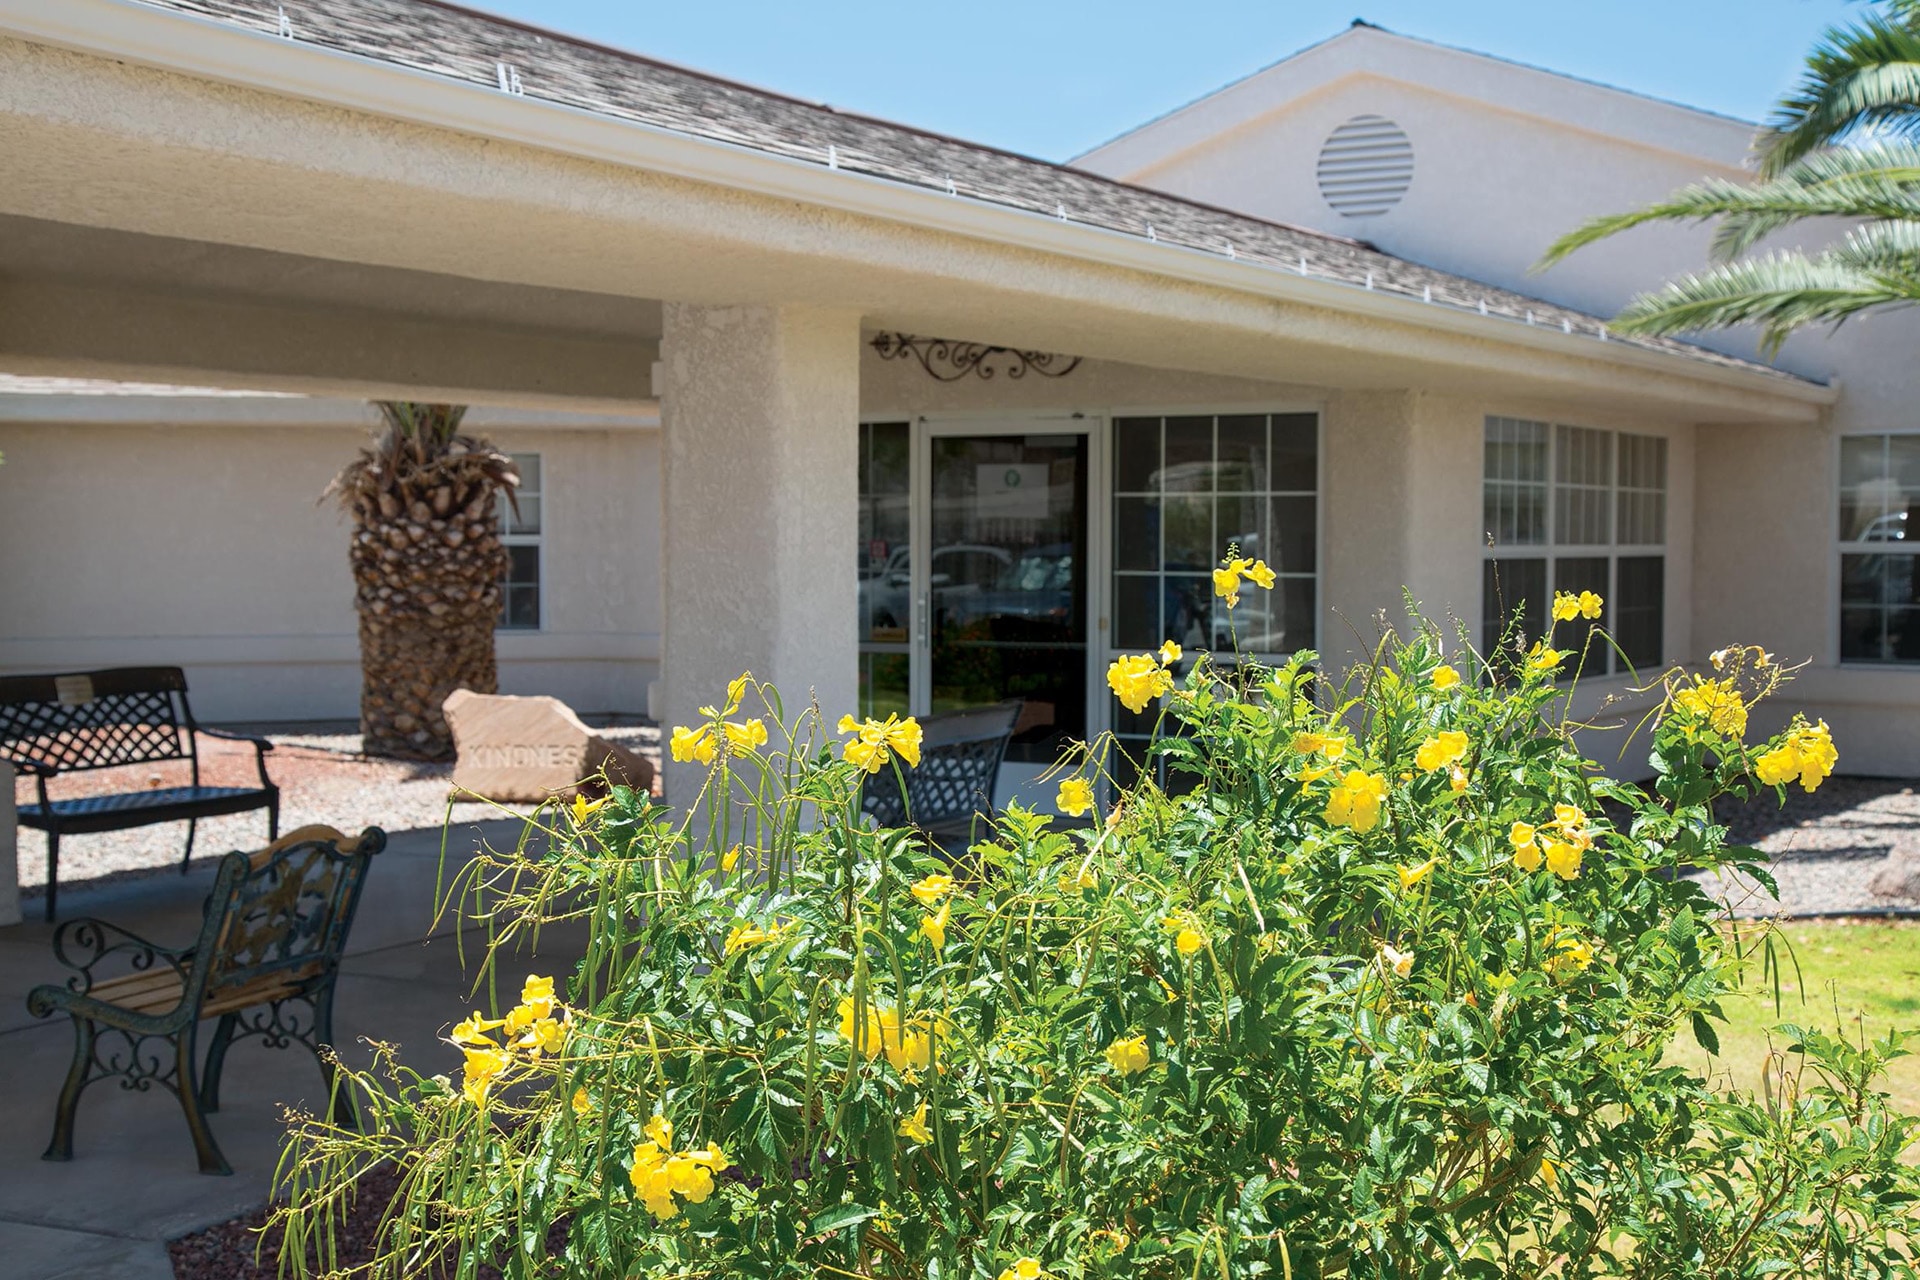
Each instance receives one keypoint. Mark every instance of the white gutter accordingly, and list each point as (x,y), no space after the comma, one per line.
(215,50)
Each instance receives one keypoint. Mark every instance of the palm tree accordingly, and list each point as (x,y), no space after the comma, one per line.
(1841,144)
(427,563)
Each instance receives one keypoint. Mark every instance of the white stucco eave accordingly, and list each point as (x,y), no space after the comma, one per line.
(127,30)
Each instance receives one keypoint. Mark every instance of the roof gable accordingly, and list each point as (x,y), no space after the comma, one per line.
(1366,50)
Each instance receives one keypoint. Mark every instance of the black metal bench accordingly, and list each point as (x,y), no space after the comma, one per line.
(275,928)
(50,725)
(960,755)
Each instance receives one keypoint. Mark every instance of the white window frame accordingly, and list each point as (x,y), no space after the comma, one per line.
(1551,550)
(535,540)
(1844,547)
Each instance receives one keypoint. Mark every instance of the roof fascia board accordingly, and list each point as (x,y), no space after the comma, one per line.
(127,30)
(1514,87)
(84,408)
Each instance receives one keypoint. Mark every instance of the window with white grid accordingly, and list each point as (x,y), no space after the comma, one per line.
(520,526)
(1879,557)
(1576,509)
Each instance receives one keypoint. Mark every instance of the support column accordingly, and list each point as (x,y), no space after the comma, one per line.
(759,408)
(9,851)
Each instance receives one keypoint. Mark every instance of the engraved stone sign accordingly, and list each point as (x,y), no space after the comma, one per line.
(529,749)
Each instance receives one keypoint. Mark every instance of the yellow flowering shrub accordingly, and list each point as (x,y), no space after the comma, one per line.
(1383,991)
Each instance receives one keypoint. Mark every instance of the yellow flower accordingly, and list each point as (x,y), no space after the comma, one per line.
(914,1127)
(1542,658)
(877,740)
(1075,797)
(1717,703)
(1563,858)
(1566,607)
(584,808)
(660,1130)
(693,744)
(1355,800)
(483,1067)
(1568,953)
(1170,653)
(473,1031)
(1129,1056)
(1590,605)
(1441,750)
(1024,1269)
(1444,677)
(1226,585)
(736,689)
(934,927)
(543,1035)
(1260,575)
(1138,679)
(1457,779)
(712,1157)
(1189,941)
(742,739)
(690,1178)
(1411,876)
(932,888)
(747,935)
(1401,962)
(1549,1174)
(536,993)
(730,859)
(582,1102)
(1807,753)
(1526,847)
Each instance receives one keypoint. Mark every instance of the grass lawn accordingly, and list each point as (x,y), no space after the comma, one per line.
(1850,976)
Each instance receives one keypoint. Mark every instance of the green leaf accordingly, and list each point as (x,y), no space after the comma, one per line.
(839,1218)
(1704,1033)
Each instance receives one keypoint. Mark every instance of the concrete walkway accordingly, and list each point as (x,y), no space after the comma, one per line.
(133,1183)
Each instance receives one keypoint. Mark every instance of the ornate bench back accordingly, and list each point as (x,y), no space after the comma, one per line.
(96,719)
(960,754)
(284,912)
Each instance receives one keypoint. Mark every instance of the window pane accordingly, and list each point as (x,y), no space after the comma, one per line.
(520,608)
(1296,452)
(1243,454)
(1583,482)
(883,684)
(1516,482)
(1294,535)
(1574,574)
(1867,489)
(1189,538)
(1299,599)
(884,593)
(1642,519)
(1136,533)
(1189,612)
(1506,586)
(1136,455)
(1638,610)
(1189,462)
(1903,464)
(1241,519)
(1878,618)
(1136,611)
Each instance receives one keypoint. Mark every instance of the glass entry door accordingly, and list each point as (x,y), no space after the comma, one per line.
(987,598)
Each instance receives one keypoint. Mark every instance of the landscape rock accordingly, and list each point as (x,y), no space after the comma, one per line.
(527,749)
(1897,877)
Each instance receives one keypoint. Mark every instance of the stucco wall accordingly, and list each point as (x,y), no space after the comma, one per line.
(204,547)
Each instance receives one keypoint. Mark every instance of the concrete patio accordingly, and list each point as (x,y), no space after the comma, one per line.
(132,1184)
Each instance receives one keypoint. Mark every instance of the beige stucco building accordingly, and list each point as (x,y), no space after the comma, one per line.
(1295,315)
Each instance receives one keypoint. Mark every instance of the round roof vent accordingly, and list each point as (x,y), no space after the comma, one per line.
(1366,165)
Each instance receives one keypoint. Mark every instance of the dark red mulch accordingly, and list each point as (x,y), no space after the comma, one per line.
(227,1251)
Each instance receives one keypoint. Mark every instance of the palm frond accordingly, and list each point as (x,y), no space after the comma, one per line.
(1883,182)
(1858,77)
(1781,292)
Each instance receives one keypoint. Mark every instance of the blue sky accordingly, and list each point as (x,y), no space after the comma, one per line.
(1054,77)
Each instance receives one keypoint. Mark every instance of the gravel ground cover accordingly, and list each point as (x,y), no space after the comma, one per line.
(1824,846)
(322,778)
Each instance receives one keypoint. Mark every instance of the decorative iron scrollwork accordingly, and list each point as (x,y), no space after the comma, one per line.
(949,360)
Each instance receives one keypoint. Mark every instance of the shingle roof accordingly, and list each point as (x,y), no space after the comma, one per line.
(445,40)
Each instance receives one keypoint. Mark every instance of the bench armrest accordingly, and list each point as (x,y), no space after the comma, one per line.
(84,943)
(260,744)
(30,764)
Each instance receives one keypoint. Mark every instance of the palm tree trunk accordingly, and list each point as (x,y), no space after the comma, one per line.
(427,563)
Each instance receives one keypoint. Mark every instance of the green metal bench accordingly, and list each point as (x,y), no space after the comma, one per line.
(265,965)
(51,725)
